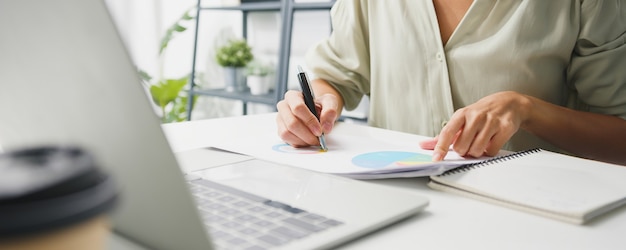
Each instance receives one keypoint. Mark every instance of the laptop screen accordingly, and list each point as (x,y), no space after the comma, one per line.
(67,79)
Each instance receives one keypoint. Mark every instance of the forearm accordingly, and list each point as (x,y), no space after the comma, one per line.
(590,135)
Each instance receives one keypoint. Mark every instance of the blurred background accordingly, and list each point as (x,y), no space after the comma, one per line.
(144,23)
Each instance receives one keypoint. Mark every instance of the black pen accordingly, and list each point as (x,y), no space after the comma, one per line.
(309,101)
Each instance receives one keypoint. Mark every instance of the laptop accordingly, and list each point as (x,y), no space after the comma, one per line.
(67,79)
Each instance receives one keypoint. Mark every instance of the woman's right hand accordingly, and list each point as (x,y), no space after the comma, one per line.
(297,126)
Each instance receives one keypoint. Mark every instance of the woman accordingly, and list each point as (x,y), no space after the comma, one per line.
(480,76)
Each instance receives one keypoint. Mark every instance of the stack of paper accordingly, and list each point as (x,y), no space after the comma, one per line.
(355,151)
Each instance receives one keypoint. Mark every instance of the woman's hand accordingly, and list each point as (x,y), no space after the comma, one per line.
(297,126)
(483,127)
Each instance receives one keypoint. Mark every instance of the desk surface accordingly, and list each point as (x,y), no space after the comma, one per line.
(450,221)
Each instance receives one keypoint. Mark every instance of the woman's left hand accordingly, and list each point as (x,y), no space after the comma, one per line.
(483,127)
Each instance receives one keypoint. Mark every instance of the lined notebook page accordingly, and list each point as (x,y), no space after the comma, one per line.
(544,181)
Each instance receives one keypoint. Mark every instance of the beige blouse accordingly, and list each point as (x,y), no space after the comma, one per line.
(568,52)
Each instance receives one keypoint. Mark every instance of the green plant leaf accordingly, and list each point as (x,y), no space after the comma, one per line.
(168,94)
(186,16)
(166,91)
(145,76)
(177,27)
(257,68)
(237,53)
(178,110)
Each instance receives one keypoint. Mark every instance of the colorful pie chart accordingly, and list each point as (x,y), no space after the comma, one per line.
(382,159)
(286,148)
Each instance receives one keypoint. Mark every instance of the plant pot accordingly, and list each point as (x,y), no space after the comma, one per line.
(258,85)
(235,79)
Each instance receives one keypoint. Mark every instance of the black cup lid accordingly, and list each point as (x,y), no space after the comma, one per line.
(49,187)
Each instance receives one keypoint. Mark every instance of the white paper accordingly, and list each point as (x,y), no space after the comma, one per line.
(376,153)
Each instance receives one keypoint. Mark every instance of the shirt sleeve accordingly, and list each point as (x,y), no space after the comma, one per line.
(343,58)
(596,73)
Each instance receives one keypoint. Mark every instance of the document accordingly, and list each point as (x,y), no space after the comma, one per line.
(354,151)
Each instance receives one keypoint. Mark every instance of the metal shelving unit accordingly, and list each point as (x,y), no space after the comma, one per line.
(287,9)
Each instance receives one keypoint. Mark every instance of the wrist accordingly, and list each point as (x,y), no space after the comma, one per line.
(528,110)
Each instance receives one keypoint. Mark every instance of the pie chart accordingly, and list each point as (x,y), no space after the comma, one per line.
(382,159)
(286,148)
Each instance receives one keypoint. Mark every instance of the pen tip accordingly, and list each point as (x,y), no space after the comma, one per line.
(323,146)
(300,69)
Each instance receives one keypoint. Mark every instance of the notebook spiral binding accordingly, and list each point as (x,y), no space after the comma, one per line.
(491,161)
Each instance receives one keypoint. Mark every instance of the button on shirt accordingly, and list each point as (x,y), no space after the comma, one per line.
(569,53)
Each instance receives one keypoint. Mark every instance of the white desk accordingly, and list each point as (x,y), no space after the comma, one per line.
(450,221)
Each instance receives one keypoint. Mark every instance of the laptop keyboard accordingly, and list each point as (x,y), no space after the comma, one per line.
(239,220)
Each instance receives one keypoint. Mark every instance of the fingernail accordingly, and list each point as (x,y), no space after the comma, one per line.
(316,131)
(437,156)
(327,126)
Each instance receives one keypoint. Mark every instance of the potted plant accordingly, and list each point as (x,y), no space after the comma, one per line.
(234,56)
(257,77)
(168,93)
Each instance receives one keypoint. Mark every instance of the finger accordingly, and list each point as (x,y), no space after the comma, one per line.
(291,129)
(295,101)
(328,112)
(498,140)
(481,141)
(289,137)
(471,130)
(495,145)
(447,136)
(429,144)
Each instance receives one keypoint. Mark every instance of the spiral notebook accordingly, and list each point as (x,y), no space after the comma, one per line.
(542,182)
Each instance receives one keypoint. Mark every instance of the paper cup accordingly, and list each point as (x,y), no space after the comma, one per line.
(54,198)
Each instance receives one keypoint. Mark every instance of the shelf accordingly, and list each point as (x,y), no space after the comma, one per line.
(286,9)
(269,98)
(260,6)
(273,6)
(314,5)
